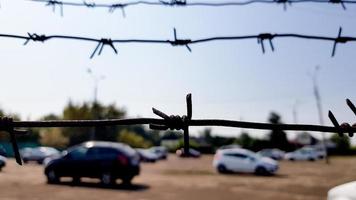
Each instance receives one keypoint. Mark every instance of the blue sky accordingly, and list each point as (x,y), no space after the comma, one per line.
(228,79)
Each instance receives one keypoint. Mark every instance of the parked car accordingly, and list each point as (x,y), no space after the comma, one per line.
(302,154)
(243,160)
(2,162)
(147,156)
(343,192)
(275,154)
(160,151)
(3,151)
(107,161)
(231,146)
(319,149)
(38,154)
(192,153)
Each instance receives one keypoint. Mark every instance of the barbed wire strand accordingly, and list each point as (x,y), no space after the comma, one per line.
(101,43)
(173,122)
(183,3)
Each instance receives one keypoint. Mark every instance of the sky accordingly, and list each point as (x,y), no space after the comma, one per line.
(228,79)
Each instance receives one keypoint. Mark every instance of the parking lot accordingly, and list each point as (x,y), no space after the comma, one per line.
(178,178)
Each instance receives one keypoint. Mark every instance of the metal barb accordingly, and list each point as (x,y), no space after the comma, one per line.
(54,3)
(6,124)
(174,122)
(113,7)
(341,2)
(337,40)
(35,37)
(335,123)
(100,46)
(351,105)
(174,3)
(265,36)
(180,42)
(89,5)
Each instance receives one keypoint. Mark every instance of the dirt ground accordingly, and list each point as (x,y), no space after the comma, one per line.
(178,178)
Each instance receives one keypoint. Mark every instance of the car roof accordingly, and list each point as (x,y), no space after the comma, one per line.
(237,150)
(116,145)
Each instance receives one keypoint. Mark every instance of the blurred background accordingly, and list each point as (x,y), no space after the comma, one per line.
(228,80)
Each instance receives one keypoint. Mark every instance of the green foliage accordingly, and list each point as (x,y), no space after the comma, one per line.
(87,111)
(216,141)
(133,139)
(342,144)
(278,138)
(192,144)
(245,141)
(53,137)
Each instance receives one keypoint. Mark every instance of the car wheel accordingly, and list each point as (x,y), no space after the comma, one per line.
(311,159)
(261,171)
(52,177)
(291,159)
(127,180)
(76,180)
(106,179)
(222,169)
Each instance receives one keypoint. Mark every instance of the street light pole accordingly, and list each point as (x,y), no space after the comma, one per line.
(320,110)
(96,79)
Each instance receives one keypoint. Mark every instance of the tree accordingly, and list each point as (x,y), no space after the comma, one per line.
(53,137)
(278,138)
(89,111)
(132,139)
(342,144)
(245,141)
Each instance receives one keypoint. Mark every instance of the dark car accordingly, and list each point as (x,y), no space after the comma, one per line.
(3,151)
(107,161)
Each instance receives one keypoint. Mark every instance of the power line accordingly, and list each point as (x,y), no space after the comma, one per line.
(101,43)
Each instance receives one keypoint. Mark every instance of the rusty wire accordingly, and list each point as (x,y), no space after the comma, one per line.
(184,3)
(102,42)
(173,122)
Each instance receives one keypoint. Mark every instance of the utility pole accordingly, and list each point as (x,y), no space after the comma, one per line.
(295,111)
(320,110)
(96,79)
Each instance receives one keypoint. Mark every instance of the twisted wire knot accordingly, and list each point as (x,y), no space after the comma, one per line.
(175,2)
(174,122)
(89,5)
(101,43)
(265,36)
(180,42)
(35,37)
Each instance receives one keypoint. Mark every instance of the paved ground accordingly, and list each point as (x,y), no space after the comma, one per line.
(185,179)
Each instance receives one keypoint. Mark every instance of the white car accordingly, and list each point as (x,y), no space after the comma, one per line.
(243,160)
(345,191)
(302,154)
(275,154)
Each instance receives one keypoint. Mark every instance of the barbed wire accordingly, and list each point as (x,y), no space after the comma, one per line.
(173,122)
(184,3)
(101,43)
